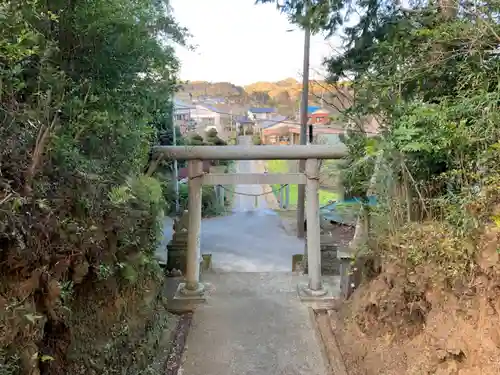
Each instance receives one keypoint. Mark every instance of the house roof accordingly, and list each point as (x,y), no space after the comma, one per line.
(243,120)
(262,110)
(272,121)
(210,107)
(278,130)
(181,105)
(321,111)
(224,109)
(312,108)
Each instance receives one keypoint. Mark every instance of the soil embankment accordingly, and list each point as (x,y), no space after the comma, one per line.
(405,321)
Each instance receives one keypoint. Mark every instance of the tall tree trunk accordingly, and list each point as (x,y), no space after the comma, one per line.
(361,233)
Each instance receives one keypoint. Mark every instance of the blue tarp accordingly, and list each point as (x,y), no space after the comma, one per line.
(344,211)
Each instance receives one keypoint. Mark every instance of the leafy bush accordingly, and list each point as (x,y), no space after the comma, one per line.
(256,139)
(427,74)
(209,204)
(82,87)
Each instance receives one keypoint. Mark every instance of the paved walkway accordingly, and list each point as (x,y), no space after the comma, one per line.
(252,239)
(253,324)
(249,240)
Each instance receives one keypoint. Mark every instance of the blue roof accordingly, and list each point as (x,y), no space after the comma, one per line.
(273,121)
(312,108)
(262,110)
(209,107)
(243,119)
(181,105)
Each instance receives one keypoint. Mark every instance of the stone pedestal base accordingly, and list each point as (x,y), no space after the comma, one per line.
(192,295)
(325,298)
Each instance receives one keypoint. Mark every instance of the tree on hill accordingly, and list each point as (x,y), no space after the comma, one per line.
(260,97)
(282,98)
(217,89)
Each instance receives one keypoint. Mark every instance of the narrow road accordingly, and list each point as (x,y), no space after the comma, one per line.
(248,197)
(252,238)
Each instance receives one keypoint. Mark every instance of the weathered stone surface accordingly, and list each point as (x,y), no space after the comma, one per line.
(176,260)
(330,264)
(177,247)
(181,224)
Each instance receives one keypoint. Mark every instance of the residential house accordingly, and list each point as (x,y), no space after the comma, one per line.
(221,117)
(259,114)
(319,117)
(275,136)
(205,115)
(182,116)
(289,134)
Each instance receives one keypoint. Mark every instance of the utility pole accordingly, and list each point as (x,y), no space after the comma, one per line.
(301,196)
(231,125)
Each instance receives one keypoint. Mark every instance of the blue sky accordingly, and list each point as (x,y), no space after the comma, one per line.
(240,42)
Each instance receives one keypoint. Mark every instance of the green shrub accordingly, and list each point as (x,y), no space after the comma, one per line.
(209,204)
(256,139)
(83,86)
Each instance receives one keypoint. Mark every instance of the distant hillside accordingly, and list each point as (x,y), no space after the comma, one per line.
(292,88)
(283,94)
(226,90)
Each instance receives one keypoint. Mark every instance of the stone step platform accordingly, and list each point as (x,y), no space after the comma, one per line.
(255,323)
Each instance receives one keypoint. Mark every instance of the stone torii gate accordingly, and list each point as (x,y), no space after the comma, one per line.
(192,288)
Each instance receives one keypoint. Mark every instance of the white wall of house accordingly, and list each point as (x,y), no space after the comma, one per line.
(205,116)
(259,116)
(182,115)
(206,119)
(182,110)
